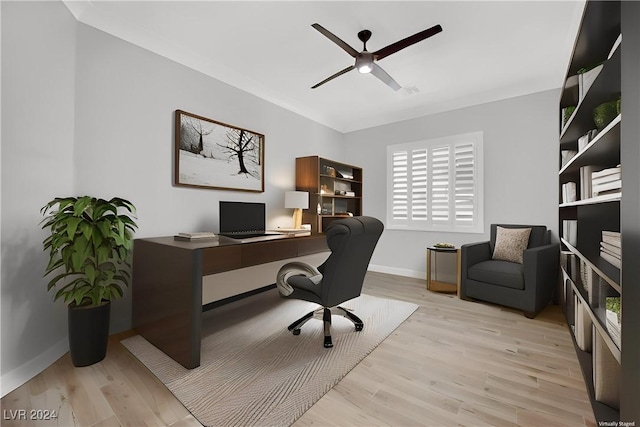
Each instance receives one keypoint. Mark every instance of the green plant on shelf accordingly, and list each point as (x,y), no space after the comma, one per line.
(613,304)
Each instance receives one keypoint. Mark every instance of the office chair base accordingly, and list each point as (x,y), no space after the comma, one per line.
(325,314)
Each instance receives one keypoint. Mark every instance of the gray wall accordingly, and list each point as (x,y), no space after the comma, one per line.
(38,73)
(520,171)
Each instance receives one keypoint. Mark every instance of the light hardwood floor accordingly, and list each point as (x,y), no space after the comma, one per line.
(451,363)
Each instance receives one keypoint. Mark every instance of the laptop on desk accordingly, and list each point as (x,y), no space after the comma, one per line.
(245,221)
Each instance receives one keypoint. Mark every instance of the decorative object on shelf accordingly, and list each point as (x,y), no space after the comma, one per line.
(324,189)
(604,113)
(443,245)
(566,114)
(614,318)
(215,155)
(296,200)
(89,245)
(328,170)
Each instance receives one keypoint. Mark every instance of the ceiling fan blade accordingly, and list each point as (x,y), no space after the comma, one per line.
(377,71)
(339,73)
(351,51)
(399,45)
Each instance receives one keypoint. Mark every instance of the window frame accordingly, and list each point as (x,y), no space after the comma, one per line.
(476,140)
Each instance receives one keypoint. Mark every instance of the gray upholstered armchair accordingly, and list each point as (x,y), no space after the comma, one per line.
(339,278)
(527,286)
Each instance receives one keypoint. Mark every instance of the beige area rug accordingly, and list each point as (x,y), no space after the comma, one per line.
(255,372)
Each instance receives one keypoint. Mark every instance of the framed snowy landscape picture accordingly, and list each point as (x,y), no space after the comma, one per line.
(215,155)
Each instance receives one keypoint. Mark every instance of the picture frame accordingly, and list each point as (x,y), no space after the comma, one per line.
(214,155)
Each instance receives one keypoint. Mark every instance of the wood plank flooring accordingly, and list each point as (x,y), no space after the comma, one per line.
(452,363)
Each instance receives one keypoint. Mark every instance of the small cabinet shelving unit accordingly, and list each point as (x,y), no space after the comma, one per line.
(592,285)
(335,190)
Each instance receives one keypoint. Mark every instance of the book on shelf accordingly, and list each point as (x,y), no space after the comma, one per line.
(612,249)
(607,171)
(606,181)
(612,237)
(569,192)
(607,187)
(588,279)
(606,373)
(585,139)
(570,231)
(586,188)
(616,262)
(567,155)
(586,79)
(582,321)
(199,236)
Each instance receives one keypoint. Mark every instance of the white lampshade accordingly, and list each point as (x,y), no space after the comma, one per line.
(296,200)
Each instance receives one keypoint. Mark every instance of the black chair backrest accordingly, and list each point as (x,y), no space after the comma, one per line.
(538,237)
(352,242)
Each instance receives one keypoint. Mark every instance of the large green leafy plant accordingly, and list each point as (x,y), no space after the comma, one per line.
(89,247)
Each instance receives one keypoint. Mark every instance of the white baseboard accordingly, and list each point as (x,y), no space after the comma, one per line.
(416,274)
(23,373)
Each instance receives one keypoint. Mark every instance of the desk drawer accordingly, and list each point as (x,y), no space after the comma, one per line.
(219,259)
(312,244)
(273,250)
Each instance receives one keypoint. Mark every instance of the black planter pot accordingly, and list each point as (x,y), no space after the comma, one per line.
(88,333)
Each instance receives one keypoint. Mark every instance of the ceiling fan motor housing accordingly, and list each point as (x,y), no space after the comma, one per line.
(364,62)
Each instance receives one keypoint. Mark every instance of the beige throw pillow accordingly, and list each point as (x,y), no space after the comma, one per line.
(511,243)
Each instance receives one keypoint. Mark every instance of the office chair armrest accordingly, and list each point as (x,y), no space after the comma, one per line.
(299,275)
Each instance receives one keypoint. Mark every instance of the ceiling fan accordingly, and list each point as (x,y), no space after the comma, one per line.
(366,61)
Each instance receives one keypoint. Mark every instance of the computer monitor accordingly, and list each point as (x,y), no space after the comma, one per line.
(242,218)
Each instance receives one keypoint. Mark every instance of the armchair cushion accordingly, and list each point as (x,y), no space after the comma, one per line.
(500,273)
(511,243)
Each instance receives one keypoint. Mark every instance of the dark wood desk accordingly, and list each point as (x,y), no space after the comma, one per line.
(168,280)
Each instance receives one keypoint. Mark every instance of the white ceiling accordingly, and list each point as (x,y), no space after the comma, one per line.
(487,50)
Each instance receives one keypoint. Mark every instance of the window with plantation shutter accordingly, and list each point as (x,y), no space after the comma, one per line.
(436,185)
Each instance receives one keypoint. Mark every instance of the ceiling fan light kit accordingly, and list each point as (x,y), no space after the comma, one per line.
(365,61)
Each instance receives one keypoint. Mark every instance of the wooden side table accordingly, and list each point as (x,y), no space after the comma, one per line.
(435,285)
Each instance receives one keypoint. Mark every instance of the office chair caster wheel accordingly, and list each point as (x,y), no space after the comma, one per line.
(296,331)
(359,327)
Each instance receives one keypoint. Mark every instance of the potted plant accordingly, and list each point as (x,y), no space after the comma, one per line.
(89,248)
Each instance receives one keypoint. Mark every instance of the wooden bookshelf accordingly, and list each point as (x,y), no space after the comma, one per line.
(335,190)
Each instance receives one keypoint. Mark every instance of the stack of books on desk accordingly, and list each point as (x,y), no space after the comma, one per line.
(611,248)
(297,232)
(199,236)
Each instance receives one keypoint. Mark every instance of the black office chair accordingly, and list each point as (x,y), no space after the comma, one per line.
(339,278)
(527,285)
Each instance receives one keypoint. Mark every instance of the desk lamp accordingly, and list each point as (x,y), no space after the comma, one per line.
(296,200)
